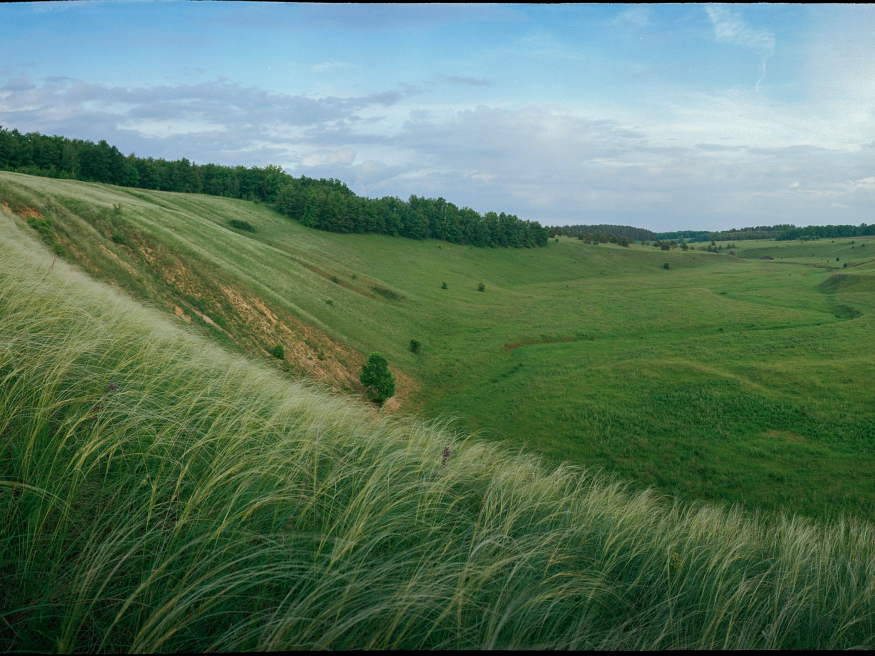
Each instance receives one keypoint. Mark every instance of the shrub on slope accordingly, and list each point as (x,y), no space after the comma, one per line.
(199,502)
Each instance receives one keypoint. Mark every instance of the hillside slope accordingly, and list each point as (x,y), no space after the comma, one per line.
(725,378)
(160,494)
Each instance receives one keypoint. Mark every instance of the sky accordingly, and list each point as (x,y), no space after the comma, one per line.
(664,117)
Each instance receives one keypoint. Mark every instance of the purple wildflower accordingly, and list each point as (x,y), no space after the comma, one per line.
(445,455)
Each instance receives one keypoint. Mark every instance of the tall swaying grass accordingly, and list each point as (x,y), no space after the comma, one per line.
(158,494)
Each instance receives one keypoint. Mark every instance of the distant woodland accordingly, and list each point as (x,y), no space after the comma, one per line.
(331,205)
(781,232)
(633,234)
(323,204)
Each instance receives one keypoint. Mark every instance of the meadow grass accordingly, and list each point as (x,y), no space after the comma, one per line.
(725,378)
(158,493)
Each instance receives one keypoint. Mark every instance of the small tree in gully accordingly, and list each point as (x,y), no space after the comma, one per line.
(377,378)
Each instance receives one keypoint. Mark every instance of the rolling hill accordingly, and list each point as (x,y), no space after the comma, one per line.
(161,493)
(737,379)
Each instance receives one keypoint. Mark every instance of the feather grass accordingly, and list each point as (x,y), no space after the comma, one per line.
(160,494)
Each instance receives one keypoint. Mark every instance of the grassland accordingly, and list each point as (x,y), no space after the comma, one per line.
(724,378)
(158,493)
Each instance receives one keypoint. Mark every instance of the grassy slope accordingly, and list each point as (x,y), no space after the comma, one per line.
(723,378)
(159,494)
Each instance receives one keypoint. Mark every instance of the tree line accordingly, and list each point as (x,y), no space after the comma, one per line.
(630,232)
(322,204)
(787,231)
(826,232)
(331,205)
(780,232)
(735,234)
(684,235)
(601,238)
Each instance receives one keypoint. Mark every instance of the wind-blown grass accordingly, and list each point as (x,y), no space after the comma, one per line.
(160,494)
(729,379)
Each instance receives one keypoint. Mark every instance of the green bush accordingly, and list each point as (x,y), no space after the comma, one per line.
(278,352)
(46,231)
(43,226)
(242,225)
(481,287)
(443,285)
(335,279)
(665,266)
(414,346)
(377,378)
(120,239)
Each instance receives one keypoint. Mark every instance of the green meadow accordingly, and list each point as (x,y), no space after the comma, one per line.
(166,487)
(734,379)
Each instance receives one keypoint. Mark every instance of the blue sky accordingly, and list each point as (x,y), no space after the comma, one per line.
(665,117)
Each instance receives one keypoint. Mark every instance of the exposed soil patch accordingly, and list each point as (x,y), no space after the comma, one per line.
(307,349)
(120,261)
(24,211)
(29,213)
(182,315)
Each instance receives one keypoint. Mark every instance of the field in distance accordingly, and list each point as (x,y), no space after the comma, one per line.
(741,378)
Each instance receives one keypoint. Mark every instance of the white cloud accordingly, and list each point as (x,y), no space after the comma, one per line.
(213,121)
(325,67)
(730,28)
(639,16)
(344,157)
(867,183)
